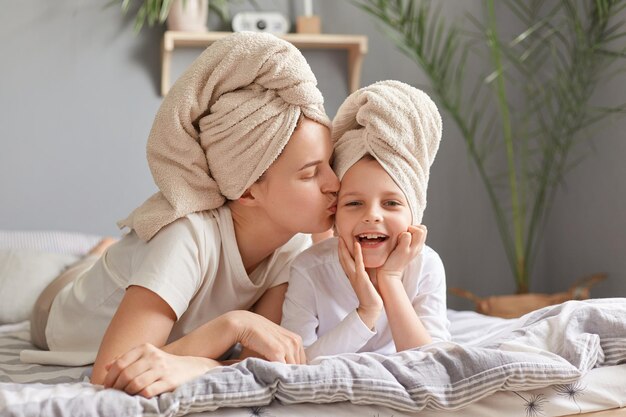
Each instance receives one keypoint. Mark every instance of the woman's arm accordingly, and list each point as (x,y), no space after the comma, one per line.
(270,306)
(142,317)
(129,358)
(146,370)
(258,332)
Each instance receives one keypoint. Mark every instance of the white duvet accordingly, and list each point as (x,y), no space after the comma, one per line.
(551,349)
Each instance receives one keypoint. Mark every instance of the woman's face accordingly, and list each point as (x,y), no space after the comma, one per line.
(299,190)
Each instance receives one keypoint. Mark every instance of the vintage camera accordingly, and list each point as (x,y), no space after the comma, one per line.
(271,22)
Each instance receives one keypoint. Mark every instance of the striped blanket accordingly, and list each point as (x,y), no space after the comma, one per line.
(555,345)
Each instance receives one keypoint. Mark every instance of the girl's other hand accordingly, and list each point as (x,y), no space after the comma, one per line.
(410,244)
(370,302)
(148,371)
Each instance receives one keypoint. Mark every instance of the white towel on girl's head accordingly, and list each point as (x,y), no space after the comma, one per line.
(222,125)
(399,126)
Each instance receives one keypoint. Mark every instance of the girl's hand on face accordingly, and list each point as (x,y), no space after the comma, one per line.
(148,371)
(370,301)
(409,245)
(267,338)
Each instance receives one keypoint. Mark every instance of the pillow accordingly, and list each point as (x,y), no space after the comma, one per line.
(24,274)
(74,243)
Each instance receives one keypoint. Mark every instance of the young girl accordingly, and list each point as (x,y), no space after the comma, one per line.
(240,150)
(394,298)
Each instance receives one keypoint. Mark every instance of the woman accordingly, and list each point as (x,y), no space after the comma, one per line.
(240,150)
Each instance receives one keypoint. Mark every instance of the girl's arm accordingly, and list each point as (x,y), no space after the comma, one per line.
(270,305)
(430,301)
(406,327)
(300,313)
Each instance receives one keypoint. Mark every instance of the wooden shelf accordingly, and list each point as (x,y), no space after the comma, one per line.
(356,46)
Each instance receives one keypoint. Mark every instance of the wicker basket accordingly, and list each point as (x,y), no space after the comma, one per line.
(516,305)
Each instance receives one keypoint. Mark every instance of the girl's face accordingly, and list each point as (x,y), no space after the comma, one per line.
(371,210)
(298,192)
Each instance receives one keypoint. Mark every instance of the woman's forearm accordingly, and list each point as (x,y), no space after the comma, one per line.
(142,317)
(253,331)
(407,329)
(210,340)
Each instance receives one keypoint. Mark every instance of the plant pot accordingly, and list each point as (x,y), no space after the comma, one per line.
(516,305)
(188,16)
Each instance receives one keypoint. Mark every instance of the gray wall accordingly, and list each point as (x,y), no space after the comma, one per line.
(78,92)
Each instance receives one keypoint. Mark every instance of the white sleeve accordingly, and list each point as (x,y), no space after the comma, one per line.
(299,308)
(350,335)
(300,316)
(281,267)
(169,265)
(430,301)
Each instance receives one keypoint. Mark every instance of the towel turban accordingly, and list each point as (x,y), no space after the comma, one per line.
(396,124)
(222,125)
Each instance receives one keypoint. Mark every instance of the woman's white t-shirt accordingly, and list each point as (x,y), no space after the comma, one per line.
(193,264)
(320,304)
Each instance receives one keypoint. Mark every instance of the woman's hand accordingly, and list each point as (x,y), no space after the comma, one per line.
(267,338)
(370,302)
(148,371)
(409,245)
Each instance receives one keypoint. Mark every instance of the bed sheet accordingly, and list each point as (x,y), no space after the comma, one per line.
(601,389)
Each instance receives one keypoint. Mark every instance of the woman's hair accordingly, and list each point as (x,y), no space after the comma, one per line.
(298,124)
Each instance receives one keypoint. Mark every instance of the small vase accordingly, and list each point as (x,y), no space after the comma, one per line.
(188,16)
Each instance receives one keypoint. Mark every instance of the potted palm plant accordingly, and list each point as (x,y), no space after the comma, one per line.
(524,117)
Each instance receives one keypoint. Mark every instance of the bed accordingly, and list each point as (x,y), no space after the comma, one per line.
(565,361)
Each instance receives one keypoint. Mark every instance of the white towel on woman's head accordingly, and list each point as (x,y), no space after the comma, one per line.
(223,123)
(399,126)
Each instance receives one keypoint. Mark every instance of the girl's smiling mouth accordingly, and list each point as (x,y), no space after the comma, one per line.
(371,240)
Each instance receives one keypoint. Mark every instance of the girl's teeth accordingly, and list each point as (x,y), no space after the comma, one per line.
(367,237)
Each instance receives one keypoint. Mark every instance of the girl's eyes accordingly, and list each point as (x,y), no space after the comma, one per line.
(389,203)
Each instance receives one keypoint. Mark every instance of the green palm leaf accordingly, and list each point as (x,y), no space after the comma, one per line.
(552,67)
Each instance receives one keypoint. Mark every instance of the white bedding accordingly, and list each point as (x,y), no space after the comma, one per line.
(27,389)
(602,388)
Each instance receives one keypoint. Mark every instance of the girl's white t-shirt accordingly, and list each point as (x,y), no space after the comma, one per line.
(320,304)
(193,264)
